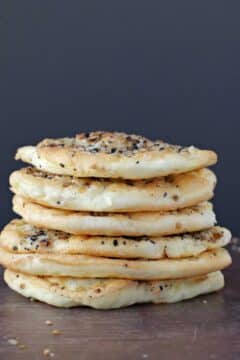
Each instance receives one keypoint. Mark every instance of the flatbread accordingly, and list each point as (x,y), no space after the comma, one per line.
(70,193)
(114,155)
(191,219)
(20,237)
(99,267)
(110,293)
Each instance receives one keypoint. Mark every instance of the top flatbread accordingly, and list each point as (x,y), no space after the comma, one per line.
(114,155)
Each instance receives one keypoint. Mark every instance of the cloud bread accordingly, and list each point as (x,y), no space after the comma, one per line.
(110,293)
(20,237)
(70,193)
(190,219)
(48,264)
(114,155)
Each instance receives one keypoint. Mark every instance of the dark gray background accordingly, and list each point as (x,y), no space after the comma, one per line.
(166,69)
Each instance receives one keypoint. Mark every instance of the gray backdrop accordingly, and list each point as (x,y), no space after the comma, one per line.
(166,69)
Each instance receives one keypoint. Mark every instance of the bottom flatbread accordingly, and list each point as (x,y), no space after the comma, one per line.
(110,293)
(100,267)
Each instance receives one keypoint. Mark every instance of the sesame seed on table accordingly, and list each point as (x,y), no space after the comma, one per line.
(207,327)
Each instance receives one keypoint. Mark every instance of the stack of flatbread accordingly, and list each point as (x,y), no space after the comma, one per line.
(110,219)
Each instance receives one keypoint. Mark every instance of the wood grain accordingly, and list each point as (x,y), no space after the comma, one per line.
(205,328)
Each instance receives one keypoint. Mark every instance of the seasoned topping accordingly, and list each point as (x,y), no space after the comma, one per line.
(67,180)
(110,143)
(35,238)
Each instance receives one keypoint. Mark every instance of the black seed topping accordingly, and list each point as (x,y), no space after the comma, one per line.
(115,242)
(62,165)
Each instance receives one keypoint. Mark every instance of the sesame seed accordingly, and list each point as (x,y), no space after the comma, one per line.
(48,322)
(13,341)
(46,352)
(56,332)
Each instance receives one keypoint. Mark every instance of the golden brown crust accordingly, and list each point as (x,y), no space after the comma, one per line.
(98,267)
(70,193)
(114,155)
(20,237)
(109,293)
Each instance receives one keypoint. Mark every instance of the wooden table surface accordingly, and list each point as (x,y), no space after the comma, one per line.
(205,328)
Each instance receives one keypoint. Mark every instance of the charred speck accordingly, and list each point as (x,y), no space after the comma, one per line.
(124,242)
(137,162)
(15,248)
(165,194)
(113,150)
(161,287)
(62,165)
(169,179)
(115,242)
(102,242)
(58,202)
(175,197)
(129,182)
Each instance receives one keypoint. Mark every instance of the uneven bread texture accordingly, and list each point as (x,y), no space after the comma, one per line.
(114,155)
(20,237)
(110,293)
(105,195)
(48,264)
(190,219)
